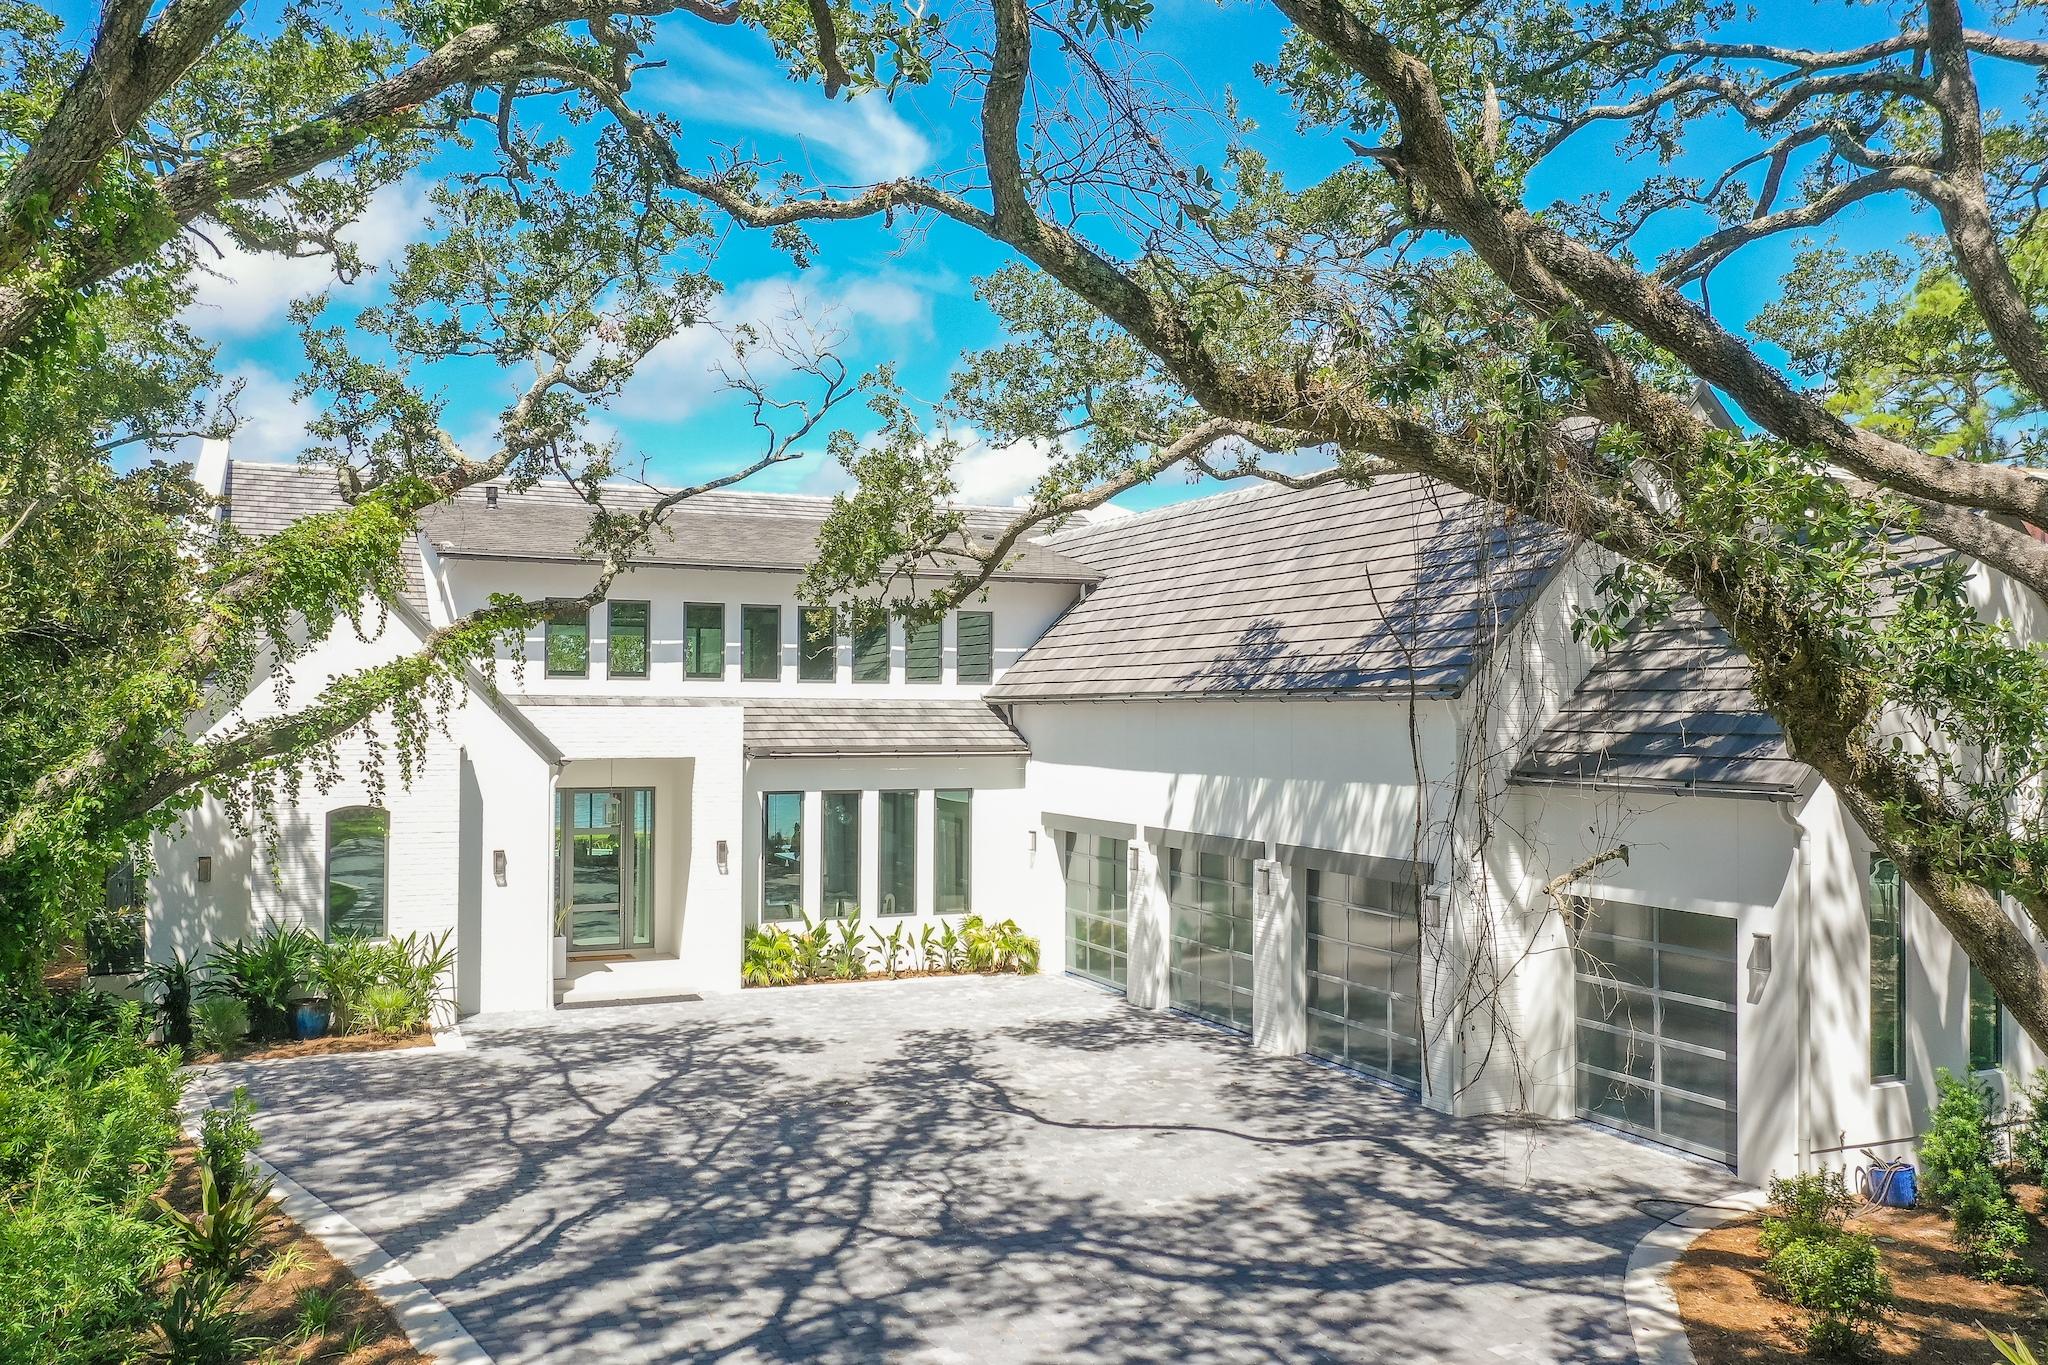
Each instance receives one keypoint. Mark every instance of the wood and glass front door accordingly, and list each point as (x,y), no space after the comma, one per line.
(605,850)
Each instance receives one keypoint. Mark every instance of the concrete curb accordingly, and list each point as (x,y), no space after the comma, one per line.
(434,1331)
(1652,1307)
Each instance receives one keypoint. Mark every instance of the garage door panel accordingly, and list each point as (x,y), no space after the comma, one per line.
(1098,906)
(1658,1057)
(1361,990)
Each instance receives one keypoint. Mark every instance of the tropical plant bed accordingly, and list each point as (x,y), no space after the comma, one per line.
(334,1044)
(297,1272)
(1732,1317)
(867,980)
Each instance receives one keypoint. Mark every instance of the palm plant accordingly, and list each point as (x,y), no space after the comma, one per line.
(265,974)
(173,983)
(849,956)
(929,954)
(890,948)
(770,958)
(813,950)
(952,947)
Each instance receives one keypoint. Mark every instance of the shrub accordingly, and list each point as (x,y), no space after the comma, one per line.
(2030,1132)
(348,970)
(266,974)
(1810,1205)
(113,940)
(201,1326)
(389,1009)
(1834,1276)
(222,1022)
(848,958)
(88,1114)
(173,983)
(1001,947)
(769,958)
(228,1138)
(220,1241)
(1960,1177)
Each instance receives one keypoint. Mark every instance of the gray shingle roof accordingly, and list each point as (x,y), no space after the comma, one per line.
(1271,590)
(263,499)
(722,530)
(803,727)
(1669,707)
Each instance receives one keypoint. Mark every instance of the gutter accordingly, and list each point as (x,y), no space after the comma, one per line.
(1802,900)
(451,552)
(1784,795)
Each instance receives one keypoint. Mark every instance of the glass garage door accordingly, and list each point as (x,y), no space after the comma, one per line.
(1211,898)
(1364,973)
(1656,1024)
(1098,874)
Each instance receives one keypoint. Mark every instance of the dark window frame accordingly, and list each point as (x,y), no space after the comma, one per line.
(851,906)
(746,660)
(884,859)
(689,641)
(611,633)
(547,652)
(941,893)
(1892,1067)
(804,655)
(796,908)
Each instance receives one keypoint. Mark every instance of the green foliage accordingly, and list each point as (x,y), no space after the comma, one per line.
(2015,1352)
(1959,1176)
(1000,947)
(1811,1205)
(220,1241)
(847,959)
(228,1138)
(267,974)
(348,971)
(316,1309)
(88,1114)
(1836,1277)
(200,1324)
(222,1021)
(389,1009)
(892,949)
(769,958)
(833,950)
(2030,1132)
(173,983)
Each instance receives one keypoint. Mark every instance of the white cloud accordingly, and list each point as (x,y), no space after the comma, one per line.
(273,422)
(241,292)
(997,475)
(866,137)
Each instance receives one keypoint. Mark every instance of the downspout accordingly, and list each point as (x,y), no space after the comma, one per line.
(1802,900)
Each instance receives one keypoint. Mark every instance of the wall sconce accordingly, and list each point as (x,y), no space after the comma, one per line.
(721,857)
(205,868)
(1760,952)
(498,865)
(1031,847)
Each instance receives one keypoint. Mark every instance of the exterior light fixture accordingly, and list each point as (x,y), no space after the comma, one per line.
(722,857)
(498,865)
(205,868)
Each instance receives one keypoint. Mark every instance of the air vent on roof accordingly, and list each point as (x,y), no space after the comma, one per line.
(491,496)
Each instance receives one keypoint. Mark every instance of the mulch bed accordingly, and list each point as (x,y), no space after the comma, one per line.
(1732,1317)
(315,1047)
(270,1310)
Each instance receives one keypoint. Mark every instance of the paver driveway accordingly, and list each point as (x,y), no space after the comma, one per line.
(965,1170)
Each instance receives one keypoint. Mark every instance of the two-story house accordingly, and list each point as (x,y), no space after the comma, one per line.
(1299,763)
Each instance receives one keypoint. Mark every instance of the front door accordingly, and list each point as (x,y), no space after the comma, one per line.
(607,870)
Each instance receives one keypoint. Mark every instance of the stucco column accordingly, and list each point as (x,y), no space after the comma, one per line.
(1151,929)
(1279,962)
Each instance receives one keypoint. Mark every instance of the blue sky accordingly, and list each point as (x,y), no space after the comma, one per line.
(910,301)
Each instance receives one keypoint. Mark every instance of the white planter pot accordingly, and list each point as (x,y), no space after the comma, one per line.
(561,957)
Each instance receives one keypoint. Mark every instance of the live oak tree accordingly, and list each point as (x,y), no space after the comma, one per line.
(1423,308)
(128,152)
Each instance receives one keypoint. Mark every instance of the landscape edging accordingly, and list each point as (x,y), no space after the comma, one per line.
(1653,1318)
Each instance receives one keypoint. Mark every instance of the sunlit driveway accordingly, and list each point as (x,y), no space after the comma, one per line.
(959,1170)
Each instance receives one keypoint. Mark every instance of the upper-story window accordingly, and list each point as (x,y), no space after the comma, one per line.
(818,645)
(977,647)
(626,640)
(1987,1024)
(923,649)
(871,651)
(761,643)
(1887,971)
(358,868)
(567,644)
(704,639)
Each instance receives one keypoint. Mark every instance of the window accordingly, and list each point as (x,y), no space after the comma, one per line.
(358,857)
(953,833)
(898,859)
(626,640)
(977,648)
(782,855)
(842,855)
(871,651)
(922,646)
(1987,1024)
(114,933)
(1887,972)
(761,643)
(568,644)
(704,639)
(817,658)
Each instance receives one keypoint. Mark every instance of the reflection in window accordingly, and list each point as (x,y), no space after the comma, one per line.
(761,643)
(841,870)
(704,639)
(358,854)
(1987,1024)
(782,855)
(953,835)
(817,658)
(898,854)
(1887,971)
(568,644)
(626,640)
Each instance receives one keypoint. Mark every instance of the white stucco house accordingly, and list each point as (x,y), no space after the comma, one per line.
(1299,763)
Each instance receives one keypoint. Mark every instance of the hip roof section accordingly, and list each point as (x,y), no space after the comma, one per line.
(1271,590)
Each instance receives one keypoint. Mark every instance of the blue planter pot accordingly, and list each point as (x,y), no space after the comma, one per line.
(311,1020)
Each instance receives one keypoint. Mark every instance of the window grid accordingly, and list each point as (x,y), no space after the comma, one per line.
(1364,969)
(1210,898)
(1656,1025)
(1987,1024)
(1098,906)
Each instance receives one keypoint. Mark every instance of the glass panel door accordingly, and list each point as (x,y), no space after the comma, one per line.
(607,862)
